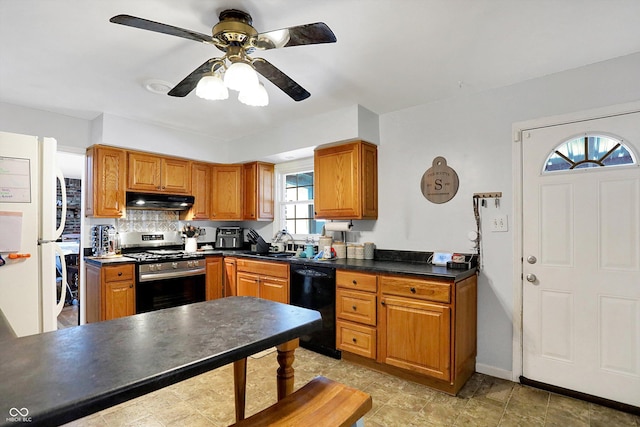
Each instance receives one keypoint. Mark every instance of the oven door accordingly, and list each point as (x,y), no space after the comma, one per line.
(169,292)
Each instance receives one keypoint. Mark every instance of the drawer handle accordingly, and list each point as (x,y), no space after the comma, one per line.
(354,308)
(413,290)
(119,273)
(354,340)
(354,282)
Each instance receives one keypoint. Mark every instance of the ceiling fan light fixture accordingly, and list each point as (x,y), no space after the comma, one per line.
(240,76)
(255,97)
(212,88)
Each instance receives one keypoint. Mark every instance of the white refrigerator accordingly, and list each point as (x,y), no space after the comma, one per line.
(29,297)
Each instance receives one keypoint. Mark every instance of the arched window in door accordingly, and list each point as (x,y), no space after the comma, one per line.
(589,151)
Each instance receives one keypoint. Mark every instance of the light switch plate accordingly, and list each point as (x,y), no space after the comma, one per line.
(441,258)
(499,223)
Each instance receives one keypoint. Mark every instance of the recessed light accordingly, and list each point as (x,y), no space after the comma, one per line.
(157,86)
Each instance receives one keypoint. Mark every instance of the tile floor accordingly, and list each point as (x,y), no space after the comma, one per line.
(207,400)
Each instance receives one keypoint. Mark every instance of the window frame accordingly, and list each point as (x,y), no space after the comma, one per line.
(281,170)
(576,166)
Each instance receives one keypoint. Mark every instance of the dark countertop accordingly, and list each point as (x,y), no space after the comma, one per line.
(67,374)
(387,261)
(391,262)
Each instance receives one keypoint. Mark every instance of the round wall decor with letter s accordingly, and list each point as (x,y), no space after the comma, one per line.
(439,183)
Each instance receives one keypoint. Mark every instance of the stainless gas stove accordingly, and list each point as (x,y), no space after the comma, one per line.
(167,276)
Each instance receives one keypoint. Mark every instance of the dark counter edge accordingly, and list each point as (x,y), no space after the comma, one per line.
(404,263)
(140,388)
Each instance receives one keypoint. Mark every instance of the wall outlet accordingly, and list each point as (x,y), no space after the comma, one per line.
(499,223)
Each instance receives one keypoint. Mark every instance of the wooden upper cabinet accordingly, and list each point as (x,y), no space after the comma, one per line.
(258,191)
(346,181)
(106,177)
(154,174)
(227,195)
(201,191)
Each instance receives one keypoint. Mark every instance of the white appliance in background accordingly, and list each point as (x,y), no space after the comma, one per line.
(28,291)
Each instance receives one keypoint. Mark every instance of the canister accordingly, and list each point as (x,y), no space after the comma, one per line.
(341,249)
(369,249)
(359,252)
(324,241)
(351,251)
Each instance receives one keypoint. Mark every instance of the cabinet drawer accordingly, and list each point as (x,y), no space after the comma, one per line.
(356,306)
(274,269)
(357,339)
(416,288)
(356,281)
(116,273)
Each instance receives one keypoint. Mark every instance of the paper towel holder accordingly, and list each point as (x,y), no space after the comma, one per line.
(344,227)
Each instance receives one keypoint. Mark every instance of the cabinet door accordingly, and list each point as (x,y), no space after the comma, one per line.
(336,182)
(106,181)
(248,285)
(214,278)
(175,176)
(226,201)
(274,289)
(415,335)
(144,172)
(119,300)
(93,300)
(258,191)
(230,288)
(201,190)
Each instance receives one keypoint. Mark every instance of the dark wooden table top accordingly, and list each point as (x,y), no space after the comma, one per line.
(60,376)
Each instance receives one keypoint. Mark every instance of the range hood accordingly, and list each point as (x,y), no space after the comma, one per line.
(167,202)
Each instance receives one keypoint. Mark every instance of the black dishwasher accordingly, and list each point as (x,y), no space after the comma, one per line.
(314,287)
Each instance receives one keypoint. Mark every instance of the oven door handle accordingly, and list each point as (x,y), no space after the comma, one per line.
(149,277)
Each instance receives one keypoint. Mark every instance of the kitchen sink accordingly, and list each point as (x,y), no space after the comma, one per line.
(274,254)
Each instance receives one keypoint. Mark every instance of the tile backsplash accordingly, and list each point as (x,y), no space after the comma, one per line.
(148,220)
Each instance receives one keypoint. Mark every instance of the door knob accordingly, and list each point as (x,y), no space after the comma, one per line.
(531,259)
(531,277)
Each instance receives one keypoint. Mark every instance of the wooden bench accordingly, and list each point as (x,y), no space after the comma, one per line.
(320,403)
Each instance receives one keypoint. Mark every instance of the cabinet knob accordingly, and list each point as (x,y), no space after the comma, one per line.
(119,273)
(354,340)
(383,303)
(354,308)
(413,290)
(131,286)
(355,282)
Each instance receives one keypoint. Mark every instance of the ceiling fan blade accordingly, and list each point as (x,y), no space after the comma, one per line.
(145,24)
(280,79)
(315,33)
(191,81)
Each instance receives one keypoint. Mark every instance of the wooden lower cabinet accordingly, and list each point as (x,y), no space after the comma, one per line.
(214,283)
(110,292)
(416,335)
(268,280)
(419,329)
(230,286)
(356,313)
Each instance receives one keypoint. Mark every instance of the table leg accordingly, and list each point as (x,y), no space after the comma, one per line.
(240,386)
(285,379)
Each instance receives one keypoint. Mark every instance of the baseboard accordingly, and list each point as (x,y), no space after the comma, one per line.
(494,372)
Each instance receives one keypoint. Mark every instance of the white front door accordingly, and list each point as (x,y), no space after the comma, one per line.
(581,266)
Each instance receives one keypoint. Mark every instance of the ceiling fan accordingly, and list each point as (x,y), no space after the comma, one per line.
(235,36)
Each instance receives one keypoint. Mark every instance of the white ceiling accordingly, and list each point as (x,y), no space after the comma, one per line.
(65,56)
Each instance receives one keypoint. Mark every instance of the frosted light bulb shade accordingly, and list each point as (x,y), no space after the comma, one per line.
(240,76)
(212,88)
(256,96)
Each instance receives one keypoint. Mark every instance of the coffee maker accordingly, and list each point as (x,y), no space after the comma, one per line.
(229,238)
